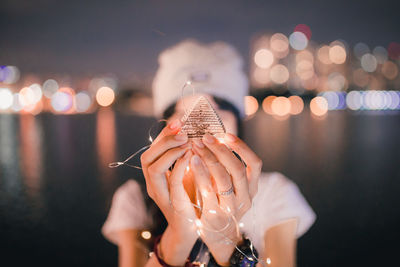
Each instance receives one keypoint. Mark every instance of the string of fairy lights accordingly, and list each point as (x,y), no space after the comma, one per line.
(289,67)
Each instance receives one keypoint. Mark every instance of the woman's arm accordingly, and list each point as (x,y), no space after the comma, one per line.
(131,253)
(280,245)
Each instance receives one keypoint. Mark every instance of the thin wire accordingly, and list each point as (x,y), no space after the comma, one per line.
(120,163)
(187,83)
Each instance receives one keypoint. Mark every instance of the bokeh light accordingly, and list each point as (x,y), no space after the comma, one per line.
(279,44)
(305,69)
(281,106)
(369,62)
(250,105)
(105,96)
(6,98)
(390,70)
(9,74)
(263,58)
(62,101)
(298,40)
(37,91)
(319,106)
(27,98)
(50,86)
(336,100)
(380,54)
(303,28)
(360,49)
(279,74)
(354,100)
(83,101)
(267,103)
(323,54)
(296,104)
(394,50)
(336,81)
(337,54)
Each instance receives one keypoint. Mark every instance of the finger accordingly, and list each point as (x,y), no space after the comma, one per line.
(253,162)
(163,145)
(155,174)
(177,194)
(203,182)
(221,176)
(232,164)
(171,129)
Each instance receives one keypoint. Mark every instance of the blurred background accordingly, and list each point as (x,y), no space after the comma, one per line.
(75,95)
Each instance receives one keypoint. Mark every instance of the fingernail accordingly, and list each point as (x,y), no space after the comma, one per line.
(198,143)
(230,138)
(181,137)
(175,124)
(196,160)
(208,138)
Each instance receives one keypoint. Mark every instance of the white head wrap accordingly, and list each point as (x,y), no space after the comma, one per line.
(215,69)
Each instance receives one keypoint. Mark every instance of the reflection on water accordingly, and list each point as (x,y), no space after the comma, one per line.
(9,156)
(56,187)
(31,152)
(105,142)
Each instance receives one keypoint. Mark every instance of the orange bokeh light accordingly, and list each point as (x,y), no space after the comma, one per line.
(281,106)
(250,104)
(297,104)
(266,104)
(105,96)
(319,106)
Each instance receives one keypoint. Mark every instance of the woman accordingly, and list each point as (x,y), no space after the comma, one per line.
(236,198)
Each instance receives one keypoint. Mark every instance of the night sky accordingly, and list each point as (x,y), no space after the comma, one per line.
(82,38)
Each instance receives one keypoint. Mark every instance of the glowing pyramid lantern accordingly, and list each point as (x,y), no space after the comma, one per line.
(202,119)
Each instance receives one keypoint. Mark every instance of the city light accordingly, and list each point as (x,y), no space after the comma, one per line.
(264,58)
(50,86)
(281,106)
(251,105)
(296,105)
(298,40)
(6,98)
(279,74)
(105,96)
(319,106)
(83,102)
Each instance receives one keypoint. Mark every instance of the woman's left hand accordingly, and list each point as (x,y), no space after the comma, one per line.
(227,187)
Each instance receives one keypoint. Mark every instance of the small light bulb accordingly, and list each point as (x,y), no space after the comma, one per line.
(187,168)
(146,235)
(212,211)
(241,225)
(268,261)
(188,82)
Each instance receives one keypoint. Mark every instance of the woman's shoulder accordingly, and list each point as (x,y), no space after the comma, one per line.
(273,181)
(285,201)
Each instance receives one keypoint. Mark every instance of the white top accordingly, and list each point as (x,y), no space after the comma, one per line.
(278,199)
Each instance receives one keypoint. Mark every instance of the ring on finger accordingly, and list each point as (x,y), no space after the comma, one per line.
(227,192)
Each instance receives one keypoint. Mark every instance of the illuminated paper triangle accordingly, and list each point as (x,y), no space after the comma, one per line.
(202,119)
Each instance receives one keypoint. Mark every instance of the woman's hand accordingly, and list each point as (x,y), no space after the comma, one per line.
(227,187)
(166,189)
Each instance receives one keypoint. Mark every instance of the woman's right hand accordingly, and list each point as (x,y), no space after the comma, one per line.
(166,189)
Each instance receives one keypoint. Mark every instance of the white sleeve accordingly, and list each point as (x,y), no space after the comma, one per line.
(128,211)
(285,202)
